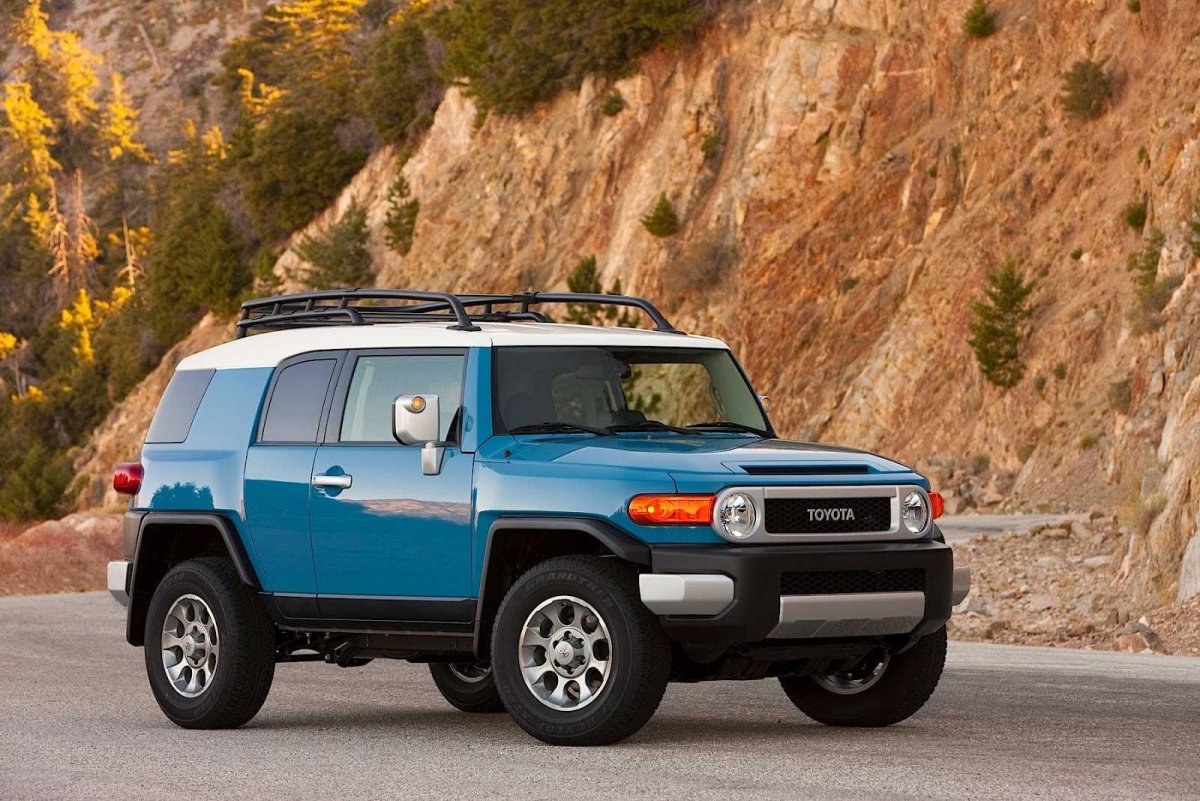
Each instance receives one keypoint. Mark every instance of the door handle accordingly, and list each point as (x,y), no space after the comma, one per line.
(340,482)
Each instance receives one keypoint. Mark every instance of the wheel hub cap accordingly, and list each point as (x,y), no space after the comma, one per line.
(190,646)
(565,653)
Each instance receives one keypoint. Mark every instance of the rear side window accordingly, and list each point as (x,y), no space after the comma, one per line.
(178,406)
(294,413)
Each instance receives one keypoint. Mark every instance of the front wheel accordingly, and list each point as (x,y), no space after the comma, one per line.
(210,649)
(881,690)
(578,659)
(470,687)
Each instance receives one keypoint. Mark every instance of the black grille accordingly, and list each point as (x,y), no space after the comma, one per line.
(827,515)
(840,582)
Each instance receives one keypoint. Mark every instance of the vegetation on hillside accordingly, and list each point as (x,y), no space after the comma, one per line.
(1000,324)
(111,251)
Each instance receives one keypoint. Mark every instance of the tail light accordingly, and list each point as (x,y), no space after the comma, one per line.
(679,510)
(127,478)
(937,504)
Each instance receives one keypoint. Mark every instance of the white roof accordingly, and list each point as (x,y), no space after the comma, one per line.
(269,349)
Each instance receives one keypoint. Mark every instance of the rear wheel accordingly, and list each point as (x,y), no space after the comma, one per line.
(578,659)
(209,647)
(881,690)
(467,686)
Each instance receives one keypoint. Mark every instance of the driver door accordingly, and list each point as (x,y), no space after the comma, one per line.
(390,543)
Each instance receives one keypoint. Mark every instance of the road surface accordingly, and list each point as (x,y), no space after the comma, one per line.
(957,528)
(77,721)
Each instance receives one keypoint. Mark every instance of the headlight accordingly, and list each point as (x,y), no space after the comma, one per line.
(738,515)
(915,512)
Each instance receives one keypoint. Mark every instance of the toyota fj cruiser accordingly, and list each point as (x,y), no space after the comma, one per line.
(558,519)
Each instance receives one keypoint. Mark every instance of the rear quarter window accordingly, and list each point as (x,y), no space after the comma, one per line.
(178,406)
(294,413)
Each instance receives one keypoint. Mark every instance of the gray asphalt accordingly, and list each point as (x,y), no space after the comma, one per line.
(957,528)
(77,721)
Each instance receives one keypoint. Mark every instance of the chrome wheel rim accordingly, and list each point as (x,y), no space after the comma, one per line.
(190,646)
(854,681)
(470,672)
(565,653)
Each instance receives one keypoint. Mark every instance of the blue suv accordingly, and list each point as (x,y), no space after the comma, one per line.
(558,519)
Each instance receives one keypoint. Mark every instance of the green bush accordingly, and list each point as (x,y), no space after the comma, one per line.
(512,54)
(1060,371)
(1076,254)
(338,257)
(291,166)
(400,88)
(1134,215)
(400,225)
(712,144)
(1134,6)
(1085,88)
(1193,226)
(661,221)
(613,104)
(980,21)
(999,327)
(38,493)
(1144,263)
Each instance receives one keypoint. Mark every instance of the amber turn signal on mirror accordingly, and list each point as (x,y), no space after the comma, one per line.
(680,510)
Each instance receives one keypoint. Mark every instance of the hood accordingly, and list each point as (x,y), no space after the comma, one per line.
(766,459)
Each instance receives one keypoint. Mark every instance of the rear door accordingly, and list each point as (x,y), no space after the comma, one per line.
(279,471)
(393,543)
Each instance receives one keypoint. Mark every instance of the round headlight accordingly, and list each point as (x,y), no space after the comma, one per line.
(738,515)
(915,512)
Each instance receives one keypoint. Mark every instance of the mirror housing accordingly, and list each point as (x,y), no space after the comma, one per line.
(416,419)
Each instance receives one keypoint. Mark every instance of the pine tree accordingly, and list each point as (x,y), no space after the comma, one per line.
(661,221)
(29,132)
(400,224)
(119,126)
(400,88)
(338,257)
(980,21)
(999,326)
(1085,88)
(585,278)
(61,75)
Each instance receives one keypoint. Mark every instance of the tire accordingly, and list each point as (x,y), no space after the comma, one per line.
(471,688)
(627,658)
(223,692)
(906,682)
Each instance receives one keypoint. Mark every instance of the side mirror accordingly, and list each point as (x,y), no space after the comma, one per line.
(416,419)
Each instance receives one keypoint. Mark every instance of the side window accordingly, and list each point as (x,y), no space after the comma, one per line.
(178,406)
(294,413)
(379,380)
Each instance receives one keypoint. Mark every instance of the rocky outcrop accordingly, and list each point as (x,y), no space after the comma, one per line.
(67,555)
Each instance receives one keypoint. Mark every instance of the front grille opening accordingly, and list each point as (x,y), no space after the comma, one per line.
(806,469)
(827,515)
(833,582)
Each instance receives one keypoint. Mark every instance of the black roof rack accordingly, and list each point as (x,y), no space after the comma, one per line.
(367,306)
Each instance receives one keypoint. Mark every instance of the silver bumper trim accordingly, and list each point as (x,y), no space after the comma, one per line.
(961,585)
(118,578)
(849,614)
(685,594)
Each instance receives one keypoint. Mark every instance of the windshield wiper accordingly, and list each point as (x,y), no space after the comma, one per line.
(558,427)
(648,425)
(731,426)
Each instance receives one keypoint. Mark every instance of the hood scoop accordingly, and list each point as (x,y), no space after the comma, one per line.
(842,469)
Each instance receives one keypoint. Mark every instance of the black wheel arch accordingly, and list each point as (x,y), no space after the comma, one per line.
(165,539)
(516,544)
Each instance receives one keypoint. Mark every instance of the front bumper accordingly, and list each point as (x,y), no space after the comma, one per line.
(118,580)
(718,594)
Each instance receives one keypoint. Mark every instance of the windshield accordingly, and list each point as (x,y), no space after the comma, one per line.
(607,390)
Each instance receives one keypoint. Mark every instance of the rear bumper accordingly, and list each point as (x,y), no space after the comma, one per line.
(717,594)
(118,580)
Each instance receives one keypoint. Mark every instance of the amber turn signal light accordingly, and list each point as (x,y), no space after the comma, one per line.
(936,504)
(680,510)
